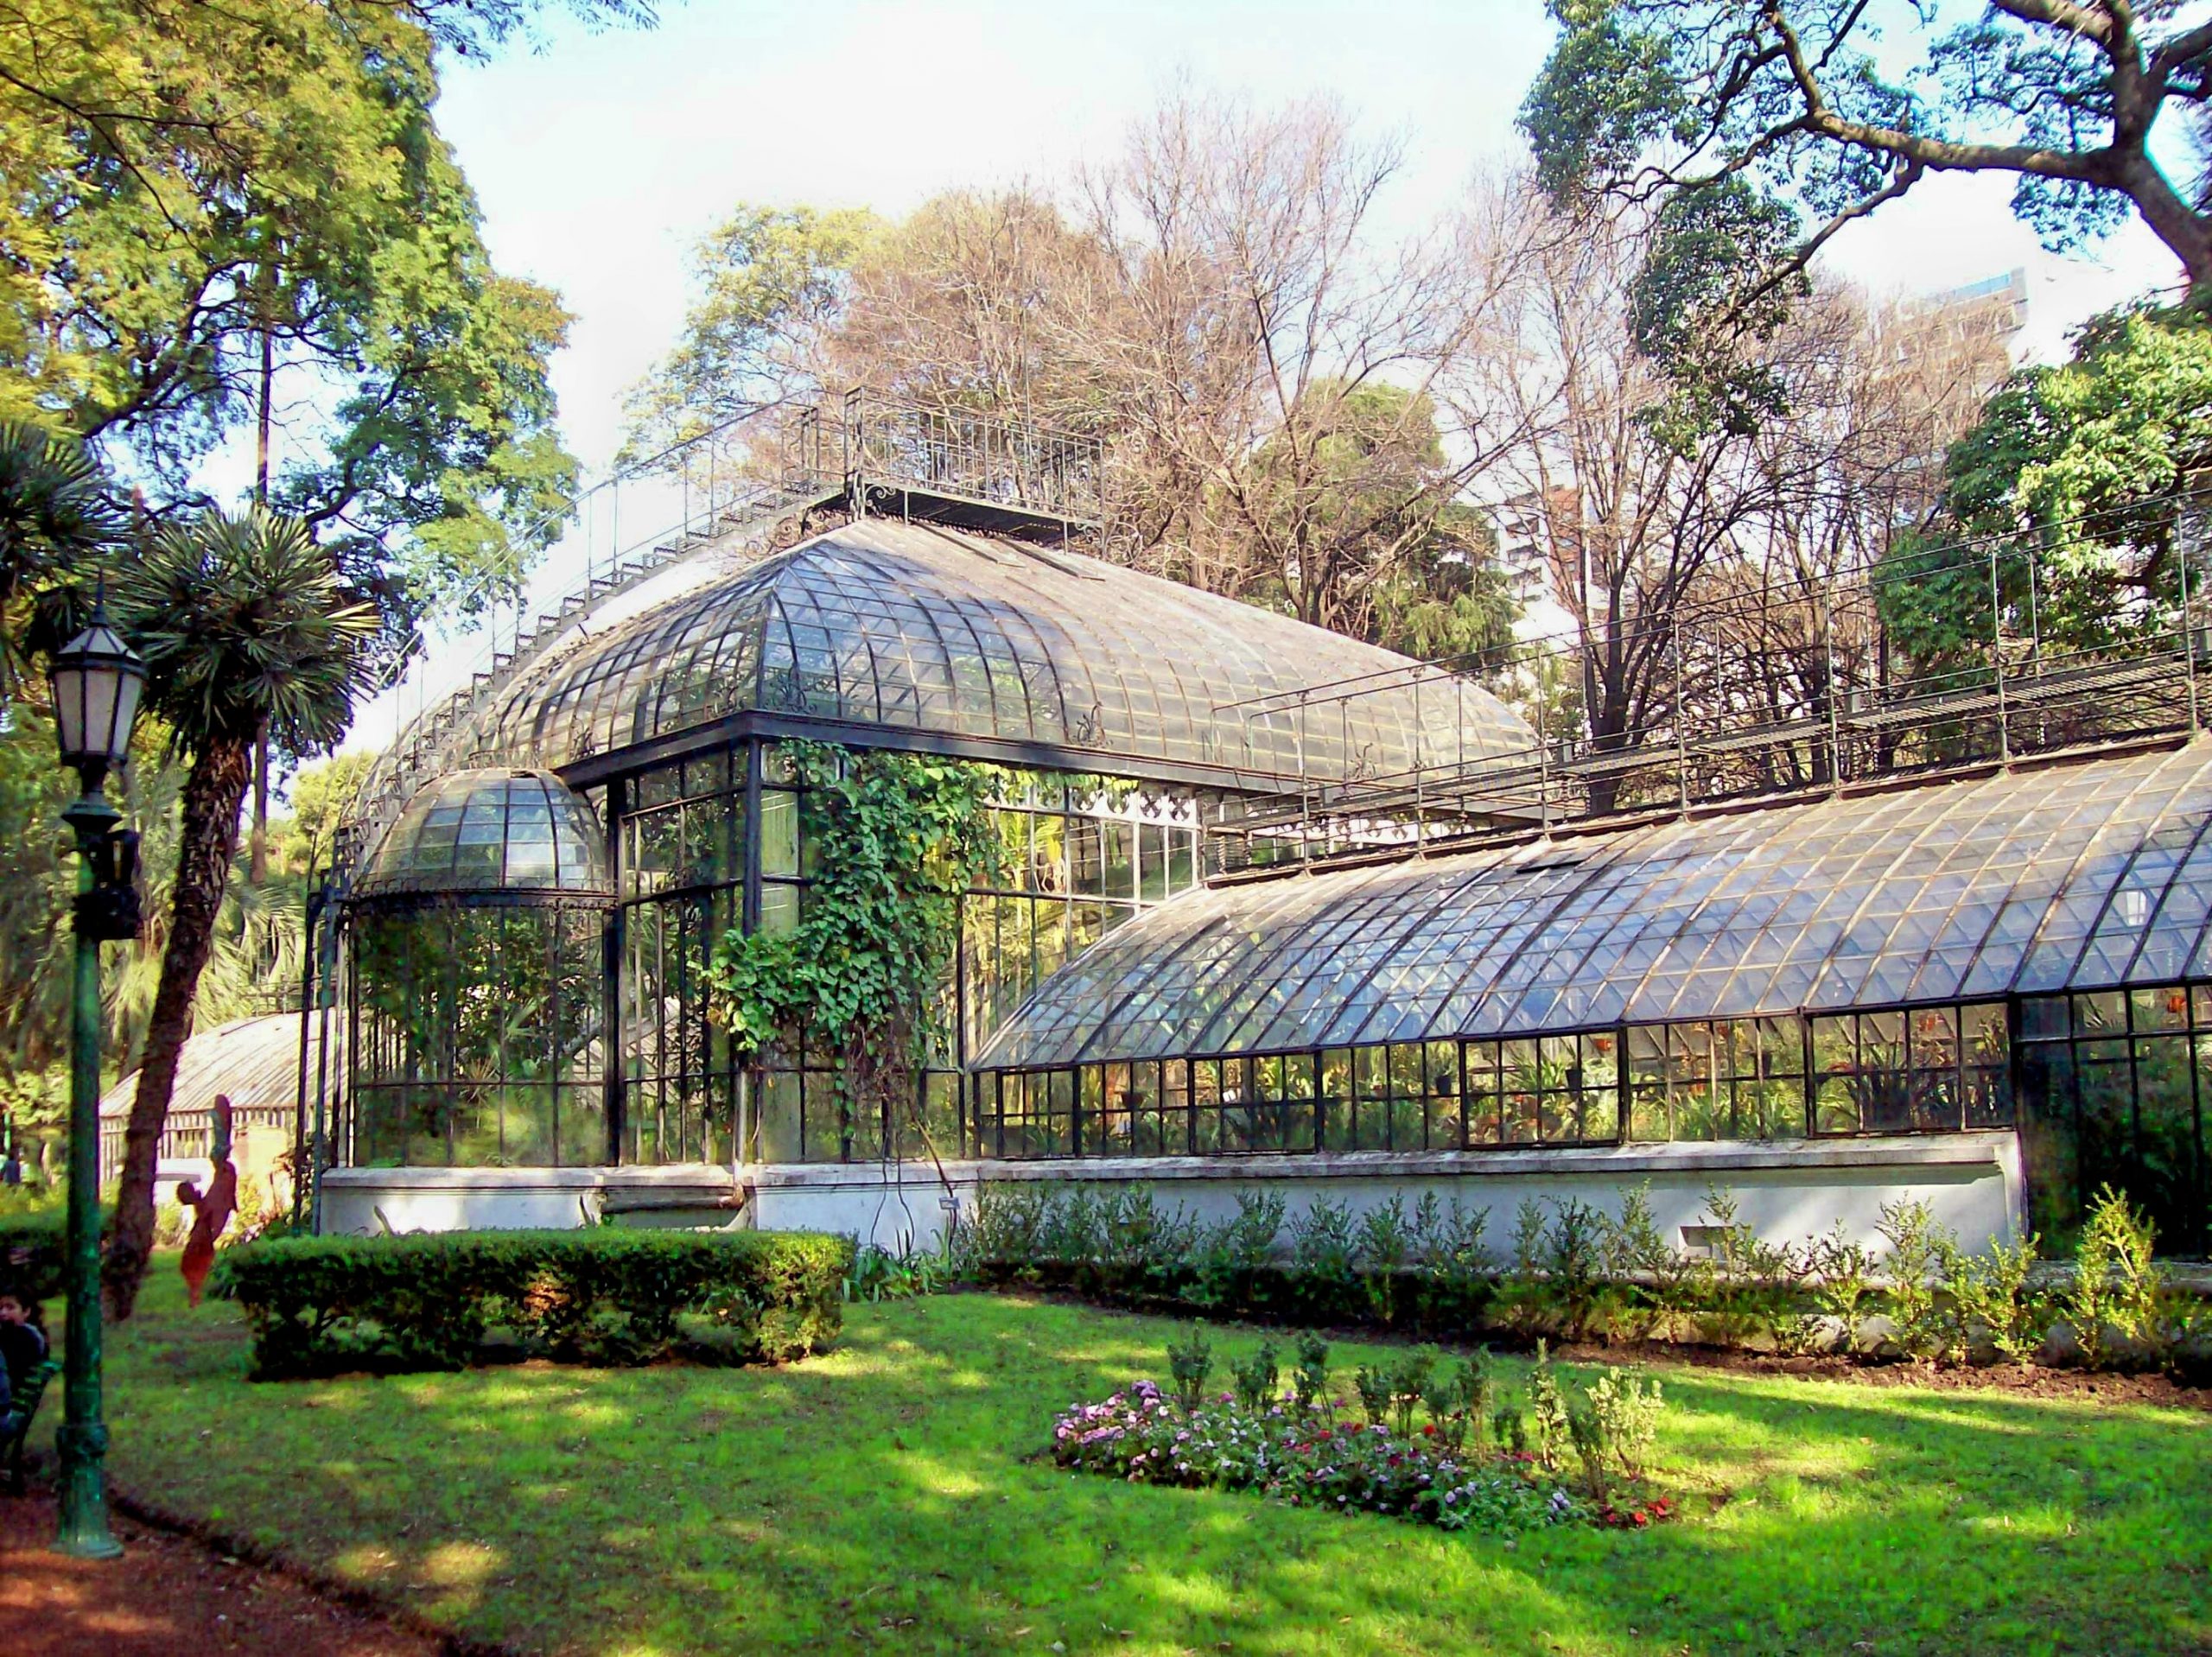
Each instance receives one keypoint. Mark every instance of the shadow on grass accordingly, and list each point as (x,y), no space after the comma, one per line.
(891,1495)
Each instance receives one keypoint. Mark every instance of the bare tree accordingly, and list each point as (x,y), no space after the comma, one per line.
(1275,361)
(1716,577)
(972,305)
(1626,522)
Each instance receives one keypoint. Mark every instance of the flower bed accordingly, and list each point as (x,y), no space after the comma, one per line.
(1304,1450)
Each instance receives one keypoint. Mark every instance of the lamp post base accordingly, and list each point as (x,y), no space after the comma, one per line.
(82,1532)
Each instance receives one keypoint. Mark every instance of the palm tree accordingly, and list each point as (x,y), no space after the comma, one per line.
(56,513)
(246,625)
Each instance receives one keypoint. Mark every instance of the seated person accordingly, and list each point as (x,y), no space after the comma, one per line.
(22,1347)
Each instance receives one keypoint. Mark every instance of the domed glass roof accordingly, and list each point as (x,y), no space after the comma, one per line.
(919,627)
(510,833)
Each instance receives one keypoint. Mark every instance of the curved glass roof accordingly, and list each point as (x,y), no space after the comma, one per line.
(2086,875)
(254,1063)
(924,628)
(512,832)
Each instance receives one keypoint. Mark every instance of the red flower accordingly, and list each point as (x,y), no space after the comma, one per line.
(1429,1432)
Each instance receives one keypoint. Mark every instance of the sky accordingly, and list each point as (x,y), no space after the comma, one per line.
(601,157)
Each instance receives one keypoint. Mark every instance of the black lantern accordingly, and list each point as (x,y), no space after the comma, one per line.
(95,685)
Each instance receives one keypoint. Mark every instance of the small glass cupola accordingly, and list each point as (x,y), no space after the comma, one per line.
(497,834)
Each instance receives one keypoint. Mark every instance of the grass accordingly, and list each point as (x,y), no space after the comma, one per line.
(890,1497)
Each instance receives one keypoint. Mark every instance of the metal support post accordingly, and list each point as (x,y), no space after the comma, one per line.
(2188,637)
(83,1439)
(1996,660)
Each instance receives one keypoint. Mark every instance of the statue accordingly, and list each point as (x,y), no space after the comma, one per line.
(214,1209)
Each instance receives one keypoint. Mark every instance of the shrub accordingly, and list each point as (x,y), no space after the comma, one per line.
(1411,1379)
(1548,1411)
(1918,1247)
(1226,1258)
(1845,1284)
(1656,1277)
(31,1249)
(1385,1245)
(1321,1243)
(1628,1417)
(1372,1386)
(1256,1377)
(321,1306)
(1459,1403)
(1992,1291)
(1753,1287)
(1188,1365)
(2117,1287)
(1557,1282)
(1309,1382)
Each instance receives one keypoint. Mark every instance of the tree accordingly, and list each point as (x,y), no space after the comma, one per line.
(55,513)
(1766,128)
(773,280)
(1219,305)
(973,304)
(2080,464)
(201,195)
(322,795)
(1371,537)
(1625,517)
(1273,355)
(246,625)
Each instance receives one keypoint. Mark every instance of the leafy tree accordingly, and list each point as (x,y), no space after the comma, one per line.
(2080,464)
(246,625)
(772,279)
(1765,129)
(1358,528)
(202,196)
(322,795)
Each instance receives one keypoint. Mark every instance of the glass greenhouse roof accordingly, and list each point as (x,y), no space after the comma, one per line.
(2086,875)
(922,628)
(496,831)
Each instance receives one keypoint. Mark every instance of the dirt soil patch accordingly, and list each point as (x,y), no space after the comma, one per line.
(168,1594)
(2035,1383)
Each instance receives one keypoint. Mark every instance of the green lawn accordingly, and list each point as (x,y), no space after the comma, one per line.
(890,1497)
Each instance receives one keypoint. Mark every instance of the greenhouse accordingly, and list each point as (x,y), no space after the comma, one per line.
(1231,941)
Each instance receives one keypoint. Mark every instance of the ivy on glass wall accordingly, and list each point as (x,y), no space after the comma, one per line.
(898,838)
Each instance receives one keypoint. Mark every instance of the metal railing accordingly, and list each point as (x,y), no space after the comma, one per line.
(734,488)
(1774,688)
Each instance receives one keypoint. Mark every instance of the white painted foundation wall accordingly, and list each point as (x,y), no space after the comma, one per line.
(1785,1192)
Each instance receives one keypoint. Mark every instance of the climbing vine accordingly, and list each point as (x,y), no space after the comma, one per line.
(897,838)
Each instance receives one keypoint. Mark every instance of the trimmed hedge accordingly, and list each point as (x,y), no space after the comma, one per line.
(32,1249)
(326,1305)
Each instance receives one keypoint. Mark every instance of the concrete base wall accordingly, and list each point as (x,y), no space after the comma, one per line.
(363,1201)
(1971,1182)
(1786,1193)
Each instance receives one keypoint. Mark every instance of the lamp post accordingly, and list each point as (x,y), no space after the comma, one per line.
(96,683)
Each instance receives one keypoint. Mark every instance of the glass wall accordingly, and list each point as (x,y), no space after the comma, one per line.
(682,862)
(2112,1087)
(477,1035)
(1078,858)
(1929,1070)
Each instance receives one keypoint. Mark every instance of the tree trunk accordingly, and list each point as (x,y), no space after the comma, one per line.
(209,840)
(257,868)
